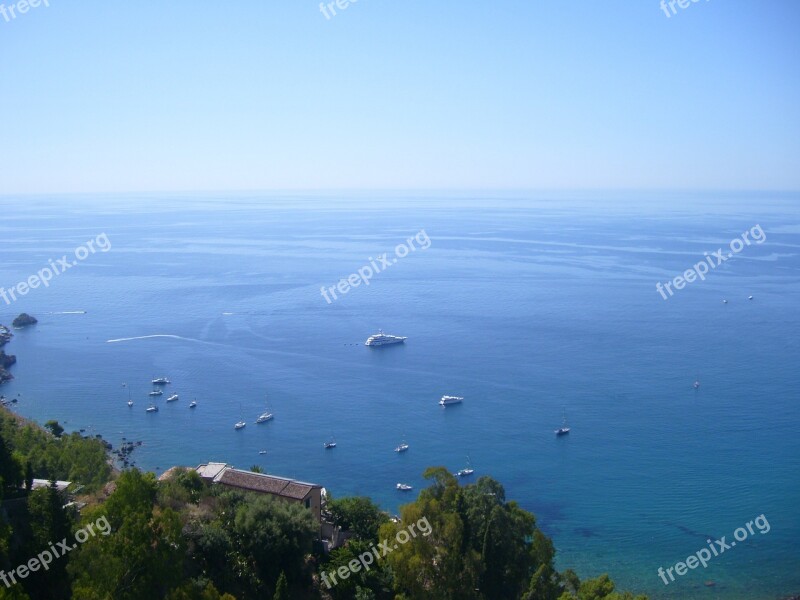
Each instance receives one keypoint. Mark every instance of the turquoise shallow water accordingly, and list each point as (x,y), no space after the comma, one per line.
(528,306)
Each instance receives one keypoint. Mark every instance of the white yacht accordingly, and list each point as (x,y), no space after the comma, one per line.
(448,400)
(563,430)
(152,408)
(156,393)
(241,422)
(172,398)
(265,416)
(383,339)
(193,403)
(330,445)
(402,447)
(404,487)
(160,381)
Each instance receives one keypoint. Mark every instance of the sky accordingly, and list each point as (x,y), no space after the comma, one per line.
(190,95)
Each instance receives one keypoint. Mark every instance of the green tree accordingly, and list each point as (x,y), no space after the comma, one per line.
(54,428)
(545,583)
(442,565)
(185,487)
(282,588)
(143,555)
(194,590)
(71,457)
(375,582)
(359,515)
(49,524)
(599,588)
(28,476)
(275,537)
(10,469)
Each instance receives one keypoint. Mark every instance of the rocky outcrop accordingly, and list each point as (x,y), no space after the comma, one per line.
(6,360)
(5,335)
(24,320)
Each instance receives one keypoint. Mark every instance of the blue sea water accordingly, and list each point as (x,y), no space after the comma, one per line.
(530,306)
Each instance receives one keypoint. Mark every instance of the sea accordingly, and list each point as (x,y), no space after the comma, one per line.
(535,307)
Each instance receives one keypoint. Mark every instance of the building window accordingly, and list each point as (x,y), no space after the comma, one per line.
(308,502)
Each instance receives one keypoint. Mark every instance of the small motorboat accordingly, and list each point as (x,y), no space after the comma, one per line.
(172,398)
(193,403)
(404,487)
(563,430)
(156,393)
(152,408)
(240,425)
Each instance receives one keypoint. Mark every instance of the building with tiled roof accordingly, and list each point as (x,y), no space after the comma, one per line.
(290,490)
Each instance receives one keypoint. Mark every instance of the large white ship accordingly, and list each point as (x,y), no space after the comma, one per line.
(382,339)
(448,400)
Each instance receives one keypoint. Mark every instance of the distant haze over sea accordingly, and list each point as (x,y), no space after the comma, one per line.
(531,307)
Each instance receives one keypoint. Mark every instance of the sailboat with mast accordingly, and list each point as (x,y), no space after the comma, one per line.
(265,416)
(130,400)
(467,471)
(563,430)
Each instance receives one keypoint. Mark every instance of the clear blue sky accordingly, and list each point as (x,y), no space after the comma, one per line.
(269,94)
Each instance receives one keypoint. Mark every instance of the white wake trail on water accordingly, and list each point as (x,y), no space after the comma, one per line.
(158,335)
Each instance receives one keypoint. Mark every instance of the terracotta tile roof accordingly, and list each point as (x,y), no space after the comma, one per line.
(268,484)
(297,490)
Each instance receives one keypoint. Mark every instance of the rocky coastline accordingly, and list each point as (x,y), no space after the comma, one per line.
(6,360)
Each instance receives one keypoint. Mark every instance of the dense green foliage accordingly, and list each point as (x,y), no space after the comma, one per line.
(359,515)
(181,539)
(453,543)
(68,457)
